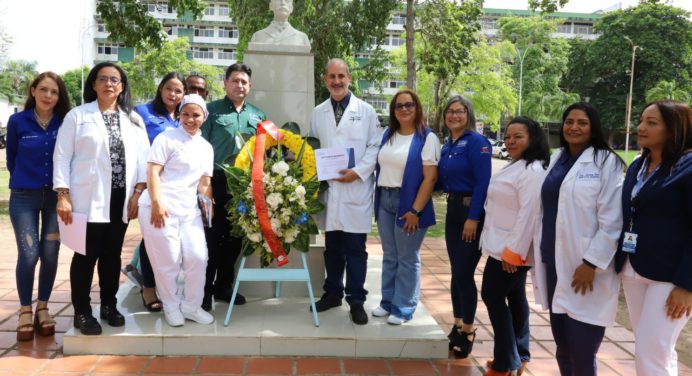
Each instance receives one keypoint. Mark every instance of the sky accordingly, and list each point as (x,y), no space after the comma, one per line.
(50,31)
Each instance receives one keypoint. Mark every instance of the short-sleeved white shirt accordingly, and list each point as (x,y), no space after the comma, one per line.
(394,154)
(185,159)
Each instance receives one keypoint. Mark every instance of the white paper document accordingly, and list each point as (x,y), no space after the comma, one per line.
(330,161)
(74,234)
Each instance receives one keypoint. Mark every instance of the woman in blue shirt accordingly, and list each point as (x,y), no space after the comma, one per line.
(406,175)
(464,174)
(655,254)
(31,138)
(158,115)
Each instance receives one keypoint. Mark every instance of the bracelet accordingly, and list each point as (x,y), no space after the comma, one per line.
(63,192)
(139,190)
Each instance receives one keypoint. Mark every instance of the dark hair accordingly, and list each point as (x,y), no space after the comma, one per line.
(596,139)
(196,75)
(677,117)
(470,114)
(538,149)
(159,106)
(418,121)
(237,67)
(62,107)
(124,99)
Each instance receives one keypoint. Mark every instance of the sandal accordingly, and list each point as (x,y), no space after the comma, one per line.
(25,332)
(519,372)
(154,306)
(46,327)
(459,342)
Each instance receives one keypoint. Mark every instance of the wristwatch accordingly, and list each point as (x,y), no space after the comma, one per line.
(415,212)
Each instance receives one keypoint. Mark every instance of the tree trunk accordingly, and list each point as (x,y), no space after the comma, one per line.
(436,106)
(410,32)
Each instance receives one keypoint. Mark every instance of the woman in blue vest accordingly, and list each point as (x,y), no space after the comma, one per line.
(31,138)
(655,255)
(158,115)
(406,175)
(464,171)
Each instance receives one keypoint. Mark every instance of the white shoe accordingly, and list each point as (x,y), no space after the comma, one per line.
(199,316)
(394,320)
(174,318)
(379,312)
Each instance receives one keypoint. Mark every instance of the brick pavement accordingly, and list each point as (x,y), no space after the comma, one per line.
(43,356)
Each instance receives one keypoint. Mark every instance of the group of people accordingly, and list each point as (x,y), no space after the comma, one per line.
(574,218)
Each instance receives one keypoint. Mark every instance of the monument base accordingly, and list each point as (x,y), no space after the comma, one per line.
(266,327)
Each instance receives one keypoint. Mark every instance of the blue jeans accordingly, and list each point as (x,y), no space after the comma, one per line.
(26,207)
(400,261)
(346,251)
(505,296)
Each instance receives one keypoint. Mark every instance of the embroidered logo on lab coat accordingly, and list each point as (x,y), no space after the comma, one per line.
(589,175)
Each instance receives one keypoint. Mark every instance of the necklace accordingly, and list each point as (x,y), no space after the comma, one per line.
(41,122)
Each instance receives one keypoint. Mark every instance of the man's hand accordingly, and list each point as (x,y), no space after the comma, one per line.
(582,280)
(347,176)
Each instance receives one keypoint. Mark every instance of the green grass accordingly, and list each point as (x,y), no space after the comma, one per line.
(630,155)
(436,231)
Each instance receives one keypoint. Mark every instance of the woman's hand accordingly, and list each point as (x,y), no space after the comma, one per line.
(410,222)
(64,208)
(133,206)
(508,268)
(468,234)
(158,214)
(679,303)
(582,280)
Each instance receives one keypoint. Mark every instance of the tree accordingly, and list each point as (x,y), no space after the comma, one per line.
(545,61)
(547,6)
(410,46)
(448,30)
(601,72)
(73,83)
(336,28)
(668,90)
(129,22)
(147,68)
(15,77)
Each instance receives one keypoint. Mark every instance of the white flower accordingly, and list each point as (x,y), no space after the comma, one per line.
(289,180)
(300,191)
(254,237)
(274,200)
(276,226)
(280,168)
(290,235)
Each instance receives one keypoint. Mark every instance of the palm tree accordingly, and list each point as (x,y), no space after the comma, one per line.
(668,90)
(15,77)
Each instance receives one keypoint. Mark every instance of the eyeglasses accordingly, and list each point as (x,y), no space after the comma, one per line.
(112,79)
(196,89)
(460,111)
(406,105)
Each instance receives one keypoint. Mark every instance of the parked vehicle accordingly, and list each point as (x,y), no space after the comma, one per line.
(499,149)
(3,139)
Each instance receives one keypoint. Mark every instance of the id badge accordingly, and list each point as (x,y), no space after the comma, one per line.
(629,243)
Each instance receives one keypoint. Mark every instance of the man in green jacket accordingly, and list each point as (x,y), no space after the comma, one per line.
(227,116)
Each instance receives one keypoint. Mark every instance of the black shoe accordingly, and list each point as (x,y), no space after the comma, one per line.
(460,343)
(327,301)
(111,314)
(358,315)
(87,324)
(206,303)
(239,299)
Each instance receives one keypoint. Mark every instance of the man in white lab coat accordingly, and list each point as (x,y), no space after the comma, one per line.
(346,121)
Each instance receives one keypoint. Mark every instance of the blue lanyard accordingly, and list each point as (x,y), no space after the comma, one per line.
(642,179)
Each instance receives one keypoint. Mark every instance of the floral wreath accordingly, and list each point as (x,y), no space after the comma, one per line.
(291,141)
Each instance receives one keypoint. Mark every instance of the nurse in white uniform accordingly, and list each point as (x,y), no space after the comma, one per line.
(180,165)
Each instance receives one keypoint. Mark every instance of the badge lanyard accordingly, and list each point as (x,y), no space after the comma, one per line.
(629,242)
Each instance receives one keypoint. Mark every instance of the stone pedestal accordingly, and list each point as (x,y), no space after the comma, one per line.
(283,84)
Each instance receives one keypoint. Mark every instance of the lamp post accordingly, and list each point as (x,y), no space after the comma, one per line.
(628,111)
(521,74)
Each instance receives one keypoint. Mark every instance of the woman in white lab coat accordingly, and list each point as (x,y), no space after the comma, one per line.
(577,239)
(511,216)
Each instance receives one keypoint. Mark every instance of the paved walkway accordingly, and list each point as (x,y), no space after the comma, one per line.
(44,356)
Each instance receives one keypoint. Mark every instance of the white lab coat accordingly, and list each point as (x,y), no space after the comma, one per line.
(349,205)
(511,210)
(82,160)
(589,221)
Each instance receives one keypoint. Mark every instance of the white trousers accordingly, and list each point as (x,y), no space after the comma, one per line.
(655,333)
(178,246)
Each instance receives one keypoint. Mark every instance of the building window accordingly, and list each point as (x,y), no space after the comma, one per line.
(156,7)
(173,30)
(565,28)
(201,31)
(378,103)
(228,32)
(396,40)
(489,24)
(398,19)
(583,28)
(395,84)
(223,10)
(210,10)
(202,53)
(101,27)
(226,54)
(107,49)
